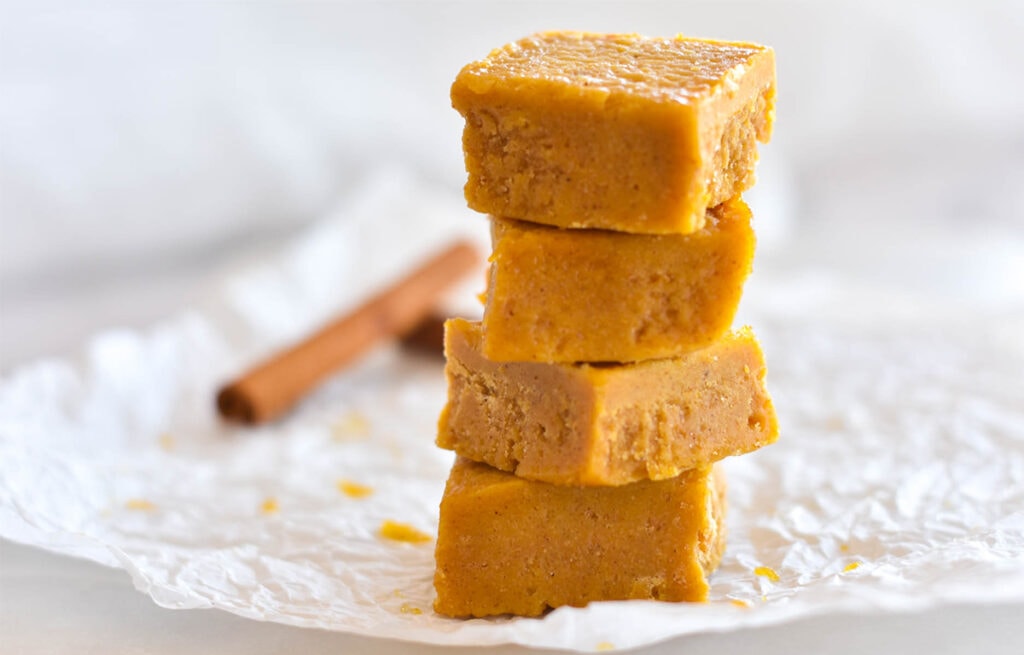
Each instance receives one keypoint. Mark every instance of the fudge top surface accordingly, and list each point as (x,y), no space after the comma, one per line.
(681,69)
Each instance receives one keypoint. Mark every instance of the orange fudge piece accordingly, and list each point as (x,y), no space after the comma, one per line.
(614,131)
(506,545)
(586,424)
(559,295)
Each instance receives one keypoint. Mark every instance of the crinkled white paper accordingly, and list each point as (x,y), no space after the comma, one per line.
(897,483)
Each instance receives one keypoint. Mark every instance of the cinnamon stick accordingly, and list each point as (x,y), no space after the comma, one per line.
(427,336)
(275,385)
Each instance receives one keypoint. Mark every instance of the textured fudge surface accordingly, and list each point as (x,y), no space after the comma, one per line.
(619,132)
(559,295)
(506,545)
(583,424)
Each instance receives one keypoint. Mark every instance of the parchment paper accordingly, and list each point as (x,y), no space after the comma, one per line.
(897,483)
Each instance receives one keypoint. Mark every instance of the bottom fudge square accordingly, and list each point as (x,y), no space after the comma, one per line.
(506,545)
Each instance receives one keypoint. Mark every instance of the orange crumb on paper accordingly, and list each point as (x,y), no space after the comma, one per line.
(408,608)
(354,489)
(844,548)
(767,572)
(852,566)
(605,646)
(739,602)
(403,532)
(351,426)
(139,505)
(269,506)
(166,442)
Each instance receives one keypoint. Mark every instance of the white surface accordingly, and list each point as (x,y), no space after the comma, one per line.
(902,454)
(54,604)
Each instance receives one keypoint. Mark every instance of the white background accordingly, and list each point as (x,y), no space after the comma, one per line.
(142,145)
(146,148)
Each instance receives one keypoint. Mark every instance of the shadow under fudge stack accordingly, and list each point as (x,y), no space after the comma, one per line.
(588,408)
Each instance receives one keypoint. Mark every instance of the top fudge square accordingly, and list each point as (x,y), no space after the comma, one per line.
(617,132)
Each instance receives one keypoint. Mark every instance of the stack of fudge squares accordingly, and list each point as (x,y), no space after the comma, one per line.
(589,407)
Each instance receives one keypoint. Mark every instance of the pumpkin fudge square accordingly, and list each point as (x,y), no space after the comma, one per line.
(614,131)
(610,424)
(506,545)
(558,295)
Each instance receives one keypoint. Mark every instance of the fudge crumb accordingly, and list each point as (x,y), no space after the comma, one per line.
(354,489)
(403,532)
(767,572)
